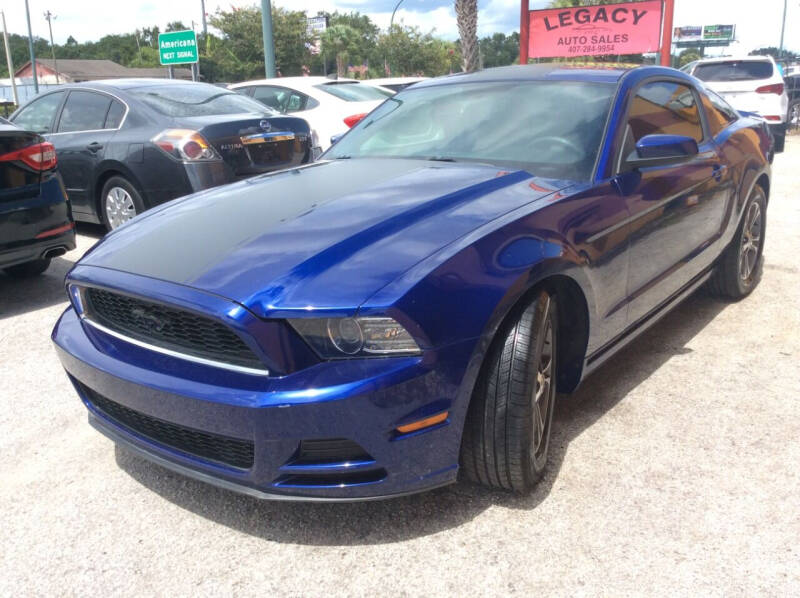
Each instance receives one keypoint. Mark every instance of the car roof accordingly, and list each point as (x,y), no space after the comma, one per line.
(393,80)
(595,73)
(734,59)
(133,83)
(297,82)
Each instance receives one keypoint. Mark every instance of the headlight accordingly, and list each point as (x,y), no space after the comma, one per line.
(334,338)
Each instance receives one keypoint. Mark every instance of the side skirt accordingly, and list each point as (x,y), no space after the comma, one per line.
(605,352)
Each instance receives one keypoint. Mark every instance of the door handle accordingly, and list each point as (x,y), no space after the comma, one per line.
(94,147)
(717,171)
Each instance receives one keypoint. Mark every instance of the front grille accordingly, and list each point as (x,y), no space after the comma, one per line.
(212,447)
(170,328)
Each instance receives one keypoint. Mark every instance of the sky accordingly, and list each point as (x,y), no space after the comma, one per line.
(91,19)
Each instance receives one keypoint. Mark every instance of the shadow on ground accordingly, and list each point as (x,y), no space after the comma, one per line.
(428,513)
(18,296)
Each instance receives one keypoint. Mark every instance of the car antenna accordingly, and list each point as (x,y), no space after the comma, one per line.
(334,76)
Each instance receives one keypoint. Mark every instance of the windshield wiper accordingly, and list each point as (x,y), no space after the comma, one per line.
(440,159)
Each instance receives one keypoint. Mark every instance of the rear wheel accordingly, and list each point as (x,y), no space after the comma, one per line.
(28,269)
(739,269)
(119,202)
(507,432)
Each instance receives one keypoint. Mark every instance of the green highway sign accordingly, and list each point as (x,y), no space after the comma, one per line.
(177,47)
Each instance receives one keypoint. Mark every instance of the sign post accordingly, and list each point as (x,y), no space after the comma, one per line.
(177,47)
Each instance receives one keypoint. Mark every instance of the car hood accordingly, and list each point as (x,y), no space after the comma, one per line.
(326,236)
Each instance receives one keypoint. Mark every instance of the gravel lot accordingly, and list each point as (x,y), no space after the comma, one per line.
(674,470)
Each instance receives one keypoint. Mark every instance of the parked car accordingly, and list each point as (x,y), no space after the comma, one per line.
(793,91)
(35,220)
(330,106)
(395,83)
(752,84)
(127,145)
(474,244)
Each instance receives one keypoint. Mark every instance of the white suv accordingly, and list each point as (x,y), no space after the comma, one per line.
(751,84)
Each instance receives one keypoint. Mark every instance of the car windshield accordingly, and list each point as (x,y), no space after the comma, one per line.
(197,100)
(354,92)
(734,70)
(548,128)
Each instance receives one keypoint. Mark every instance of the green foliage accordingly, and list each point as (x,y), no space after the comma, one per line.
(688,55)
(776,53)
(234,51)
(499,50)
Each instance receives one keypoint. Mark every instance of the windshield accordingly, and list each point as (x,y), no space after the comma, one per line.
(548,128)
(354,92)
(197,100)
(734,70)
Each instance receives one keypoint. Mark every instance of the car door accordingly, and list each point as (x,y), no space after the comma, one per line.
(88,121)
(676,210)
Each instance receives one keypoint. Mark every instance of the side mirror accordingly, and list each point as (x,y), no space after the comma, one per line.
(662,150)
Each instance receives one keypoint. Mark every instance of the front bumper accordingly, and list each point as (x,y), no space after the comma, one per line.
(362,401)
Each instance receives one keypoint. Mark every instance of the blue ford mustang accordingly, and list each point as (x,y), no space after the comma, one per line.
(405,309)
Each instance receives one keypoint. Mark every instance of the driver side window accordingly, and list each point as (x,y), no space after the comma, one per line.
(661,108)
(38,115)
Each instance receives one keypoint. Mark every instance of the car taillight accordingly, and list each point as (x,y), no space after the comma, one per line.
(41,156)
(354,119)
(185,145)
(776,88)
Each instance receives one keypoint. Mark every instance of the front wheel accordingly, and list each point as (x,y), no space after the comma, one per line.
(507,431)
(739,269)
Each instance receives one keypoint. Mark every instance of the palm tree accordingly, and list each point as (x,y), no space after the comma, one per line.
(467,17)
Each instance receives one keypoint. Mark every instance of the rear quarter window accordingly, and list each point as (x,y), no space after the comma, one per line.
(354,92)
(734,70)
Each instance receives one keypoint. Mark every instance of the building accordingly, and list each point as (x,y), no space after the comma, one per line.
(75,71)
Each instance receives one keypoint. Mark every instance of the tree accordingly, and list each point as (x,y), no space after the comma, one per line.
(776,53)
(499,49)
(467,17)
(408,51)
(340,41)
(688,55)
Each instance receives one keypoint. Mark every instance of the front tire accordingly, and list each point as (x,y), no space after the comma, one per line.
(739,269)
(119,202)
(507,431)
(28,269)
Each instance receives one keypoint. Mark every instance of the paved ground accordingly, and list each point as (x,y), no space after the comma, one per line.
(673,471)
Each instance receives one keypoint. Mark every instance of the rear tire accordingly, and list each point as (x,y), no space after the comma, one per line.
(507,431)
(741,265)
(119,202)
(28,269)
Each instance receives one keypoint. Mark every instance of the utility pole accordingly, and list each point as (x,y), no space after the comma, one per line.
(9,60)
(269,44)
(783,28)
(30,50)
(205,24)
(50,16)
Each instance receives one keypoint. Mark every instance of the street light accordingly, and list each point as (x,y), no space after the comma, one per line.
(391,21)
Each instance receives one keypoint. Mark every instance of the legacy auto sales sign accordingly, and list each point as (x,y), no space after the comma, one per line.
(628,28)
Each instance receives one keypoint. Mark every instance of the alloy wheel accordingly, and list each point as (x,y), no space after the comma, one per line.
(751,242)
(543,387)
(119,207)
